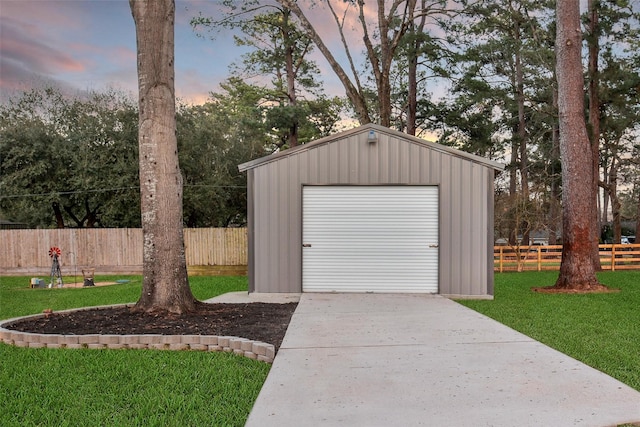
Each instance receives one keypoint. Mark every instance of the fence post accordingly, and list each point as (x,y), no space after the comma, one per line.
(539,258)
(613,257)
(501,258)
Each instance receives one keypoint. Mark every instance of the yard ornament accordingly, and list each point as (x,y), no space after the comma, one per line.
(54,253)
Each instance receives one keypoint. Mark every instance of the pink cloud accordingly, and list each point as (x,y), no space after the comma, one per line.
(27,44)
(117,55)
(40,14)
(20,47)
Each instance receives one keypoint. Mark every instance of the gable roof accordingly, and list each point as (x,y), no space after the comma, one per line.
(366,129)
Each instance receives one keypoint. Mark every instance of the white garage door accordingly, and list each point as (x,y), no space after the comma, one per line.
(370,239)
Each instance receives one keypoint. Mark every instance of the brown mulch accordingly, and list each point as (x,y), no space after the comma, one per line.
(593,289)
(264,322)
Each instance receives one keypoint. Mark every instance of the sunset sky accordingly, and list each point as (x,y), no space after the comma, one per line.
(90,45)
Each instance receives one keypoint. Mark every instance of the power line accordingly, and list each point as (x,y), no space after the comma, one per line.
(105,190)
(66,193)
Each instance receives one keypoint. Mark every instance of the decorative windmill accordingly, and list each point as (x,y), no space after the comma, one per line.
(54,253)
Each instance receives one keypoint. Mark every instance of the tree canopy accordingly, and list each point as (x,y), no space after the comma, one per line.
(479,76)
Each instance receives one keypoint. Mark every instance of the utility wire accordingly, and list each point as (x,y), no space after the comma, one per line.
(105,190)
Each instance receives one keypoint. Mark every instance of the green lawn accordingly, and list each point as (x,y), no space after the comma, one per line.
(18,299)
(160,388)
(601,330)
(58,387)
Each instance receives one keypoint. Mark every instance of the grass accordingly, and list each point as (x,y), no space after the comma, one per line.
(143,387)
(18,299)
(601,330)
(47,387)
(57,387)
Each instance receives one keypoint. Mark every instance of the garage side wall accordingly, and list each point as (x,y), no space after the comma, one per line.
(275,206)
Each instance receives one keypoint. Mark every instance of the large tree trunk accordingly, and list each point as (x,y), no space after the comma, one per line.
(577,270)
(165,285)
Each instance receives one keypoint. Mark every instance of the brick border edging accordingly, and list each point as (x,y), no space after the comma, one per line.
(256,350)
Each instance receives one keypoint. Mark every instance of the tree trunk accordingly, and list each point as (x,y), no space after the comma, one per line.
(594,125)
(58,214)
(356,98)
(513,190)
(412,92)
(414,53)
(577,270)
(291,76)
(556,195)
(638,216)
(165,285)
(522,126)
(616,206)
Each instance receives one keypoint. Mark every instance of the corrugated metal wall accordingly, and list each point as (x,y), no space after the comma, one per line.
(466,204)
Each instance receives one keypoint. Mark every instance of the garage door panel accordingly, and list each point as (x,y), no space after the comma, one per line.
(370,239)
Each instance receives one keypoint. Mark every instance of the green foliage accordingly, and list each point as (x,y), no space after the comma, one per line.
(126,387)
(71,160)
(491,38)
(294,108)
(601,330)
(213,139)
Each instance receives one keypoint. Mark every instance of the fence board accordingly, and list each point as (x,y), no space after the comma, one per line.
(115,250)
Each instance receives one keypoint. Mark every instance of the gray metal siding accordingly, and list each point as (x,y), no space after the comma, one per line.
(466,192)
(250,231)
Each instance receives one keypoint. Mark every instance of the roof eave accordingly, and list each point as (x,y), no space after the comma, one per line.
(371,126)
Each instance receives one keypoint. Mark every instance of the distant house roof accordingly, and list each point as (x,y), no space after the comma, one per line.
(366,128)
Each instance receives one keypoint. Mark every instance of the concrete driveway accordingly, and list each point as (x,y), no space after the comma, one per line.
(409,360)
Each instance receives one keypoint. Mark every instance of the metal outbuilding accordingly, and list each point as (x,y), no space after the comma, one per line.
(371,210)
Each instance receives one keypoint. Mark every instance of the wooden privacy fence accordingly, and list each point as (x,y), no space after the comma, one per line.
(539,258)
(117,250)
(219,251)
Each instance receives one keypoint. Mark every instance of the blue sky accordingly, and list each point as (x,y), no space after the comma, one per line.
(90,45)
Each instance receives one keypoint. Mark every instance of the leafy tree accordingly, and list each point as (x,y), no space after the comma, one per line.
(421,59)
(165,285)
(382,28)
(213,139)
(69,161)
(502,70)
(614,100)
(279,52)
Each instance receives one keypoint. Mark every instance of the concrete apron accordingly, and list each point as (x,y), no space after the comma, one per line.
(407,360)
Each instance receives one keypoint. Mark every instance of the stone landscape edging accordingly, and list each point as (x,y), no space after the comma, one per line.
(256,350)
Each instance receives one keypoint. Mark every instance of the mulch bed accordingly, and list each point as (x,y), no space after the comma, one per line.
(264,322)
(594,289)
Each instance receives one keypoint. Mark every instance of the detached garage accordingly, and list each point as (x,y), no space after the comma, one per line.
(371,210)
